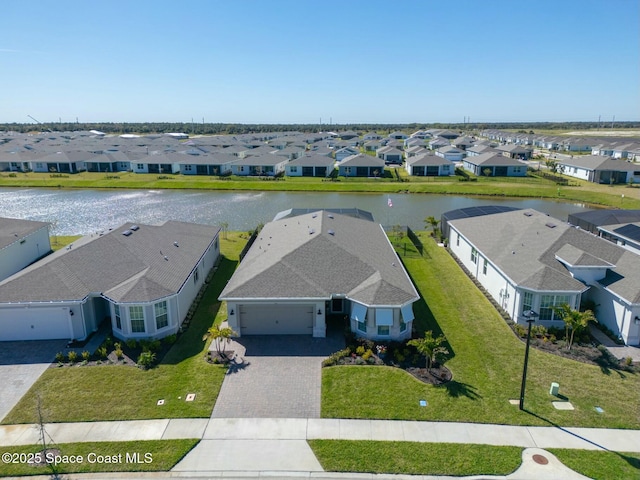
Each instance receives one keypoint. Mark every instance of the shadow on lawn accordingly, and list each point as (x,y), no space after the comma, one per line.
(634,462)
(190,343)
(425,321)
(459,389)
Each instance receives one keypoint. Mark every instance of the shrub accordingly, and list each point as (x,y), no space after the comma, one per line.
(154,345)
(85,355)
(170,339)
(108,341)
(131,343)
(59,357)
(520,330)
(73,356)
(367,355)
(628,361)
(102,352)
(360,350)
(118,351)
(146,359)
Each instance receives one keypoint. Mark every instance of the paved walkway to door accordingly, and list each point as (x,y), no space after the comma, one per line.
(275,376)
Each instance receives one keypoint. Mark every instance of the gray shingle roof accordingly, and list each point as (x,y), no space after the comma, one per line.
(524,246)
(362,160)
(315,256)
(492,158)
(14,229)
(124,268)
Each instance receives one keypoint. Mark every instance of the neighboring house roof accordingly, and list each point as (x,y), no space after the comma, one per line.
(625,231)
(513,149)
(312,160)
(480,149)
(14,229)
(352,212)
(527,245)
(362,160)
(261,160)
(591,219)
(492,158)
(320,254)
(598,162)
(126,269)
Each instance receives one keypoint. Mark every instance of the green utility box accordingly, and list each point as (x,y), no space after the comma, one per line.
(555,389)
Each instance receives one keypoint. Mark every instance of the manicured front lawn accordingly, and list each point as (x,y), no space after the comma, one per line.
(415,458)
(117,392)
(135,456)
(486,361)
(600,465)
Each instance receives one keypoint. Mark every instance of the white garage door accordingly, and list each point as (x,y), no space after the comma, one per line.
(276,319)
(34,324)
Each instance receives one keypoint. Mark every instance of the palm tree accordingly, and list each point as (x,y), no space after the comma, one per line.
(574,321)
(225,227)
(221,337)
(430,347)
(433,222)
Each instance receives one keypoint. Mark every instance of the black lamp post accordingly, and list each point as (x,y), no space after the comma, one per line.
(530,316)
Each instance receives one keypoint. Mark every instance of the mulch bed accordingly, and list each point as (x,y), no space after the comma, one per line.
(437,375)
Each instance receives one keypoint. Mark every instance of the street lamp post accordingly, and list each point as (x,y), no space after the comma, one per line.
(530,316)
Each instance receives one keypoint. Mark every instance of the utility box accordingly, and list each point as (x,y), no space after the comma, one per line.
(555,389)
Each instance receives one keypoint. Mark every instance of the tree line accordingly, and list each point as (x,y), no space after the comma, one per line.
(242,128)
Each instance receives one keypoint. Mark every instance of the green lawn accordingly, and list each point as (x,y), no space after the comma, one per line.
(135,456)
(415,458)
(486,361)
(117,392)
(502,187)
(461,459)
(59,241)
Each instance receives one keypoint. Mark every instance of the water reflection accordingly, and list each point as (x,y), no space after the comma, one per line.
(86,211)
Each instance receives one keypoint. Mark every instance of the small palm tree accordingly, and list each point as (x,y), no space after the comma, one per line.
(225,228)
(430,347)
(433,223)
(574,321)
(221,337)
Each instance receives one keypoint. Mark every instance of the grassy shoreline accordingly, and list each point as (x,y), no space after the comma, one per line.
(584,192)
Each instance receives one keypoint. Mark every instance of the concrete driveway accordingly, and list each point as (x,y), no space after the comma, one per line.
(275,376)
(21,364)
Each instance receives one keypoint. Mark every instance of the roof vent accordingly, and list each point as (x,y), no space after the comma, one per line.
(330,216)
(528,214)
(166,258)
(126,233)
(331,232)
(135,228)
(550,225)
(175,244)
(311,231)
(314,215)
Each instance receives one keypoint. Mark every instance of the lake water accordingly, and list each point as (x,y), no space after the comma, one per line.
(78,212)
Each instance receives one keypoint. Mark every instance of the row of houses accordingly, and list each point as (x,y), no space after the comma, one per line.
(142,279)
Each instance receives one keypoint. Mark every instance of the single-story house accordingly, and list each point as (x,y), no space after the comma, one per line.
(397,135)
(479,149)
(463,142)
(143,278)
(451,153)
(438,142)
(265,165)
(599,169)
(361,165)
(496,165)
(214,164)
(371,136)
(626,235)
(416,150)
(515,151)
(429,165)
(62,162)
(303,268)
(158,163)
(390,155)
(527,260)
(22,242)
(345,152)
(310,165)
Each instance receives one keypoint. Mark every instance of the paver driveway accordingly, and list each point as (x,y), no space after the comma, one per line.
(278,376)
(21,364)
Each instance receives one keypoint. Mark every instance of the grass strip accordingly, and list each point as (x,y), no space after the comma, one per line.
(600,465)
(119,392)
(415,458)
(134,456)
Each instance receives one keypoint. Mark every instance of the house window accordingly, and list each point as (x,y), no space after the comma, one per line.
(116,311)
(293,169)
(484,267)
(241,168)
(140,166)
(547,304)
(383,330)
(474,255)
(403,326)
(527,301)
(347,170)
(136,315)
(162,318)
(362,326)
(38,165)
(458,240)
(187,168)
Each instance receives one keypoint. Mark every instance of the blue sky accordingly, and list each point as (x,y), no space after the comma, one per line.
(270,61)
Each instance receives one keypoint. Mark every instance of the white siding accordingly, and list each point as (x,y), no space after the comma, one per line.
(40,323)
(16,256)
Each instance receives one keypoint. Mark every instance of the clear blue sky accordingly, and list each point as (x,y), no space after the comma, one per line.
(271,61)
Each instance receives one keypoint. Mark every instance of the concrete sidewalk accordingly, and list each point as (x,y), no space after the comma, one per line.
(340,429)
